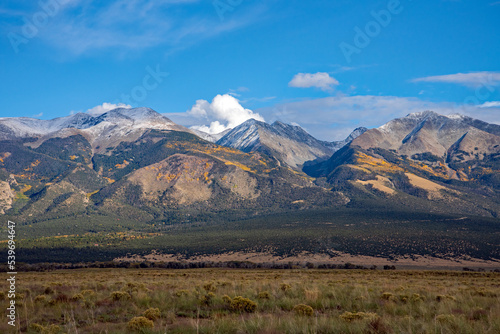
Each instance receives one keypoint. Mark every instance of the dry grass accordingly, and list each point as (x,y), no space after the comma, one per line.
(222,301)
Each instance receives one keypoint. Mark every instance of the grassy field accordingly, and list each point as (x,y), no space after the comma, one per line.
(255,301)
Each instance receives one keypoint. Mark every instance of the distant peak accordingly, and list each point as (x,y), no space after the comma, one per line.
(422,114)
(135,111)
(251,121)
(280,123)
(360,129)
(456,116)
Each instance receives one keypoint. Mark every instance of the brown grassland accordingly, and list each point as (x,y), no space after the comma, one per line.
(255,301)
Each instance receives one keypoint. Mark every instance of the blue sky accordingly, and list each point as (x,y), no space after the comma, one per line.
(328,66)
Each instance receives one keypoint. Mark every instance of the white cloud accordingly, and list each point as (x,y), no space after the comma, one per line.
(81,26)
(224,112)
(105,107)
(333,118)
(492,104)
(472,79)
(320,80)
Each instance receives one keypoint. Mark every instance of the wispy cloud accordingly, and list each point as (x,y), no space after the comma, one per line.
(89,25)
(492,104)
(472,79)
(319,80)
(342,69)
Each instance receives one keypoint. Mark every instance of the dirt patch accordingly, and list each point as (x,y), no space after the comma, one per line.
(422,183)
(381,184)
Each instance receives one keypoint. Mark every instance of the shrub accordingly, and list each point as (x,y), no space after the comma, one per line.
(241,304)
(52,329)
(77,297)
(139,324)
(441,298)
(227,300)
(152,313)
(285,287)
(387,296)
(303,310)
(119,295)
(445,318)
(209,287)
(88,292)
(264,295)
(207,299)
(37,328)
(352,316)
(41,299)
(417,298)
(61,298)
(20,296)
(404,298)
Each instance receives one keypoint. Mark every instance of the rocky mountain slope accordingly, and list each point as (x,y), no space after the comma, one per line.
(137,162)
(291,145)
(424,160)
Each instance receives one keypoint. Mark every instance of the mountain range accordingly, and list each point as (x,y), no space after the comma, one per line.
(136,170)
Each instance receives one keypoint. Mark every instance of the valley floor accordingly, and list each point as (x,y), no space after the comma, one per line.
(416,262)
(255,301)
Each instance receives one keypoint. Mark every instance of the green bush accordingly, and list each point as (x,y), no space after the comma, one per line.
(52,329)
(445,318)
(77,297)
(209,287)
(352,316)
(139,324)
(152,313)
(119,295)
(303,310)
(41,299)
(227,300)
(285,287)
(264,295)
(387,296)
(207,299)
(241,304)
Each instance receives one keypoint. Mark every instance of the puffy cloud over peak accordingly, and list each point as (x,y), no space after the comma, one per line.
(105,107)
(224,112)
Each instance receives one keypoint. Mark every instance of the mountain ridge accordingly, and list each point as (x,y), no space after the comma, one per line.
(98,177)
(292,145)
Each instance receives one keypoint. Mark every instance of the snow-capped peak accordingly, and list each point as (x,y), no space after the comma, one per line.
(135,118)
